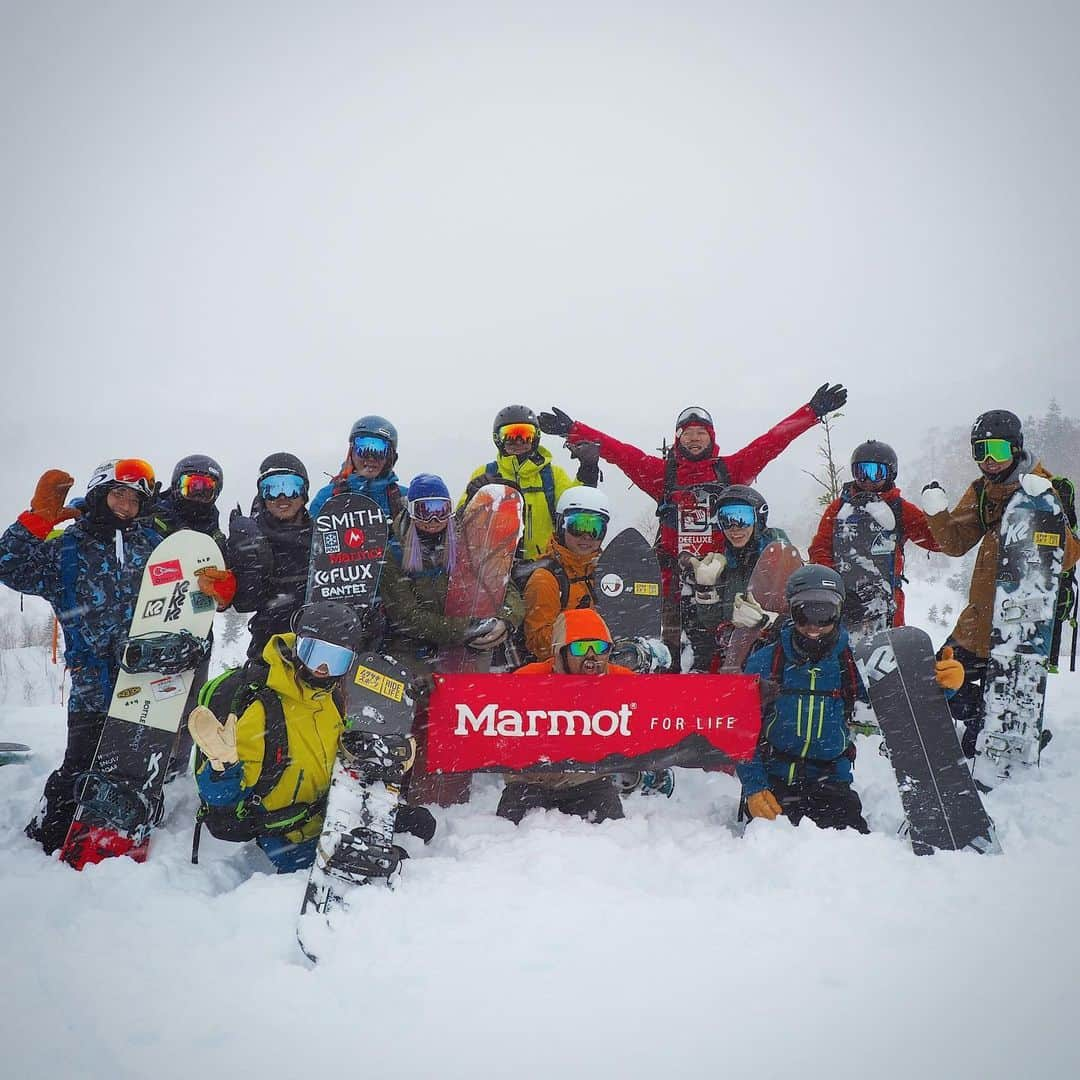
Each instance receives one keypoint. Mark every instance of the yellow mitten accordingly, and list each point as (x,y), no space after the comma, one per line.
(216,741)
(763,804)
(949,672)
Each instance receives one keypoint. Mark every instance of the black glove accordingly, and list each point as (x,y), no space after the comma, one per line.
(588,453)
(555,422)
(828,399)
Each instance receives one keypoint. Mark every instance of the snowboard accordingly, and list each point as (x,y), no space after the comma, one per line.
(488,531)
(120,797)
(775,565)
(356,846)
(940,799)
(12,752)
(348,546)
(864,554)
(628,586)
(1030,555)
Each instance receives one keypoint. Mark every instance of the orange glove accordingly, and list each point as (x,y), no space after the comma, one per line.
(949,672)
(47,505)
(763,804)
(220,584)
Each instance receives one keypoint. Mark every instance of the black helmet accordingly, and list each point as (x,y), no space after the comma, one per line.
(879,452)
(742,493)
(999,424)
(814,583)
(332,621)
(515,414)
(281,462)
(380,428)
(197,463)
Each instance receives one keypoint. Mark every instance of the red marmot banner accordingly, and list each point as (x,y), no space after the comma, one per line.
(590,723)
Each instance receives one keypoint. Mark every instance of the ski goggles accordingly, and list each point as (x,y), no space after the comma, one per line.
(693,415)
(316,655)
(135,473)
(736,516)
(815,612)
(585,523)
(431,508)
(999,450)
(525,432)
(282,485)
(197,486)
(370,446)
(873,472)
(589,645)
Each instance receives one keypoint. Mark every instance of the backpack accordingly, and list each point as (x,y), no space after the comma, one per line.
(547,484)
(520,575)
(1068,593)
(233,691)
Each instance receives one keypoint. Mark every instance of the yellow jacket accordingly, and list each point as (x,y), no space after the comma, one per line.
(313,724)
(527,475)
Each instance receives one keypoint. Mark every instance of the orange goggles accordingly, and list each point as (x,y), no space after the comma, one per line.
(527,432)
(197,485)
(136,473)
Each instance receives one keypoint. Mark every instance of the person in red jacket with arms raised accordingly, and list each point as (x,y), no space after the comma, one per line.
(685,481)
(871,514)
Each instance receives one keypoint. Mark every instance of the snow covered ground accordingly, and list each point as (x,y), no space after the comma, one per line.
(662,945)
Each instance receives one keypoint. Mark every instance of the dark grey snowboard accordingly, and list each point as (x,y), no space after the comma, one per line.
(942,804)
(628,586)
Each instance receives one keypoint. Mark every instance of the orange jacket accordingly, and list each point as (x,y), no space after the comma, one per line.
(543,597)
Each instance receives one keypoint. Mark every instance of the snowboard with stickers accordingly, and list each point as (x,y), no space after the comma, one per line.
(120,796)
(864,555)
(1031,550)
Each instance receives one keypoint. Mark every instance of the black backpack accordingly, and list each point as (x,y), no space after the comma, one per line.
(233,691)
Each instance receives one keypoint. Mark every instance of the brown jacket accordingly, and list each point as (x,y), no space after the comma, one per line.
(958,530)
(543,597)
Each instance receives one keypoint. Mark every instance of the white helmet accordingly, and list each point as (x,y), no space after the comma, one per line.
(583,498)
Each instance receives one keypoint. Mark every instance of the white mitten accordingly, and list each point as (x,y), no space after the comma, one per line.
(750,615)
(216,741)
(934,500)
(1034,484)
(882,513)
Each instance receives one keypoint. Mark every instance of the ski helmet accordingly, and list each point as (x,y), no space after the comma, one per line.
(878,453)
(695,414)
(122,472)
(515,414)
(812,583)
(283,464)
(377,426)
(331,622)
(999,424)
(200,465)
(743,495)
(586,501)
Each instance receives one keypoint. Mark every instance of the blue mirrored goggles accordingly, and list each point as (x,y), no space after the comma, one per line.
(323,659)
(736,516)
(370,446)
(288,485)
(873,472)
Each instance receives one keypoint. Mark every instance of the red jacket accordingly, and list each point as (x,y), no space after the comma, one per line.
(913,526)
(649,472)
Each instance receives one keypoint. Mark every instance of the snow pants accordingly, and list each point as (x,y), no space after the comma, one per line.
(50,824)
(966,705)
(829,804)
(594,800)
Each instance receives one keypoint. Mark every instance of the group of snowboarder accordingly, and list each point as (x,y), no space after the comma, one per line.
(277,753)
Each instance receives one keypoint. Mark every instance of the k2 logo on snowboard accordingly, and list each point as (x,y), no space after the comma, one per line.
(163,572)
(176,601)
(153,608)
(881,662)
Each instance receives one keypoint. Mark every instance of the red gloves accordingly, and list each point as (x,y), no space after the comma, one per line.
(220,584)
(47,507)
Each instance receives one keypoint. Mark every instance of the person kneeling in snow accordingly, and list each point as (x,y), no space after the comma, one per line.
(267,770)
(803,763)
(581,645)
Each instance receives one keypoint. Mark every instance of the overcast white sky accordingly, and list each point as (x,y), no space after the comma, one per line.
(233,227)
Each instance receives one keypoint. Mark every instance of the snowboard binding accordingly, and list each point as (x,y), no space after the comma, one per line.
(163,653)
(124,807)
(378,757)
(361,856)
